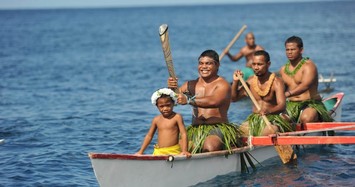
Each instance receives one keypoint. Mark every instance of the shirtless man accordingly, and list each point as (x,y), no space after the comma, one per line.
(301,78)
(247,52)
(268,91)
(209,96)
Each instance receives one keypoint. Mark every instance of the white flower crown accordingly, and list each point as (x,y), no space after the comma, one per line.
(166,91)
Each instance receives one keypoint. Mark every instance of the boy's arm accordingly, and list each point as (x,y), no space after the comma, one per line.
(183,135)
(148,138)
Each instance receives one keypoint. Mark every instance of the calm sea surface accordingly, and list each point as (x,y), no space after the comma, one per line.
(79,81)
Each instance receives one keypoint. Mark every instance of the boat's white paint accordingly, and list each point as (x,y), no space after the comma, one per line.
(180,172)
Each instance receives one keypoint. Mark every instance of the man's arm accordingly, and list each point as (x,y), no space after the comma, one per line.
(236,57)
(148,138)
(237,92)
(173,84)
(259,47)
(309,75)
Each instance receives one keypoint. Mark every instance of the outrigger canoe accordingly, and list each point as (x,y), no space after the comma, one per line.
(147,170)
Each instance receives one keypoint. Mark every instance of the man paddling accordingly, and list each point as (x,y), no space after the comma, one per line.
(301,78)
(268,91)
(209,95)
(247,52)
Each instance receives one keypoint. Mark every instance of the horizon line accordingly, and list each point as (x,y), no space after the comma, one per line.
(164,5)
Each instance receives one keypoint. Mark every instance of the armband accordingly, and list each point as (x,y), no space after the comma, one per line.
(191,100)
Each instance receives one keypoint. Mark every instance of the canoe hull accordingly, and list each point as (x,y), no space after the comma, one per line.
(180,172)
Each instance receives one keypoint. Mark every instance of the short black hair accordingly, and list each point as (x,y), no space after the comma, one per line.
(263,53)
(165,96)
(210,53)
(295,39)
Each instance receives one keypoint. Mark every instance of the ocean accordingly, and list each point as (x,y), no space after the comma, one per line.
(74,81)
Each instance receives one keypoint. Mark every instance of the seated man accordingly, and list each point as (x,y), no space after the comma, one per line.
(209,96)
(268,90)
(301,78)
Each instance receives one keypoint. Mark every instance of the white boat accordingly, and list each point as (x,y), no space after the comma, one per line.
(147,170)
(327,82)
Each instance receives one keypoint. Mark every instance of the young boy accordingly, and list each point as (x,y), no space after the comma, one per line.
(169,125)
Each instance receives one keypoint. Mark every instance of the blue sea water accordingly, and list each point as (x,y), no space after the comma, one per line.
(79,80)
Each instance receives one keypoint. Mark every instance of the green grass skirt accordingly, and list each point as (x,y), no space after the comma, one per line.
(294,109)
(257,124)
(197,134)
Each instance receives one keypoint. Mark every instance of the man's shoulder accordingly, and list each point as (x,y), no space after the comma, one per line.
(259,47)
(244,49)
(282,69)
(250,79)
(222,80)
(278,80)
(309,64)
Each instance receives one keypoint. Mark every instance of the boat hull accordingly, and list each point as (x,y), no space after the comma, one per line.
(182,171)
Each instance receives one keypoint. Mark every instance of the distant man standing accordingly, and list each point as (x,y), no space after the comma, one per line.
(247,52)
(300,75)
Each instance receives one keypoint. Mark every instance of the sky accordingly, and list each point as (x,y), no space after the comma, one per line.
(34,4)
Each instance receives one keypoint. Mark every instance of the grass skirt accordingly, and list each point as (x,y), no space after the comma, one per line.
(294,109)
(196,134)
(257,124)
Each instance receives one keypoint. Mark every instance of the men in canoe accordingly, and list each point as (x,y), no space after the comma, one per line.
(209,95)
(169,124)
(268,90)
(301,78)
(247,52)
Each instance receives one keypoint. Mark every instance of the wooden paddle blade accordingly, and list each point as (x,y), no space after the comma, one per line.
(286,153)
(164,38)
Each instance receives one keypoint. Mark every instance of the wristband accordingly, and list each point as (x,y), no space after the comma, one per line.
(191,100)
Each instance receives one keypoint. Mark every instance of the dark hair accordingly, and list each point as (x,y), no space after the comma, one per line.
(165,96)
(295,39)
(263,53)
(210,53)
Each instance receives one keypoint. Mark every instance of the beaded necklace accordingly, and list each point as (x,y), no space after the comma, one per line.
(268,83)
(298,67)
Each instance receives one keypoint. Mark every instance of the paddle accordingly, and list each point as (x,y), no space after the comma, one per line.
(285,151)
(164,38)
(232,42)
